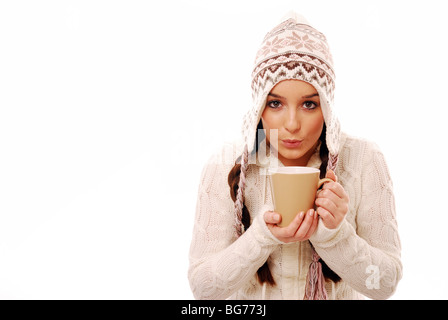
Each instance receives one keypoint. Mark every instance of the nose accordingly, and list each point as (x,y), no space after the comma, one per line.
(292,121)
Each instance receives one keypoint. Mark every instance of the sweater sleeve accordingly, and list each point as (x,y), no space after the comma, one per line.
(368,258)
(220,263)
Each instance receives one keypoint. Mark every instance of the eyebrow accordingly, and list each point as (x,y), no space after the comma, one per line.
(304,97)
(310,95)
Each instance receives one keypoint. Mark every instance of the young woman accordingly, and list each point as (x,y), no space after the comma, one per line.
(348,247)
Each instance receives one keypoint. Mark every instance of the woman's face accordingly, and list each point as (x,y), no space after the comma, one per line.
(293,107)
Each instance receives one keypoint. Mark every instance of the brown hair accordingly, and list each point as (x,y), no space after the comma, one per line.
(263,273)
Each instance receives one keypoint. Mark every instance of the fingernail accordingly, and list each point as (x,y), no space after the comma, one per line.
(301,214)
(276,217)
(311,212)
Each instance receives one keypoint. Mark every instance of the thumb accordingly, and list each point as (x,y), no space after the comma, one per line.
(331,175)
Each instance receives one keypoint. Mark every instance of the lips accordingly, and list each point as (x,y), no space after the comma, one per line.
(291,143)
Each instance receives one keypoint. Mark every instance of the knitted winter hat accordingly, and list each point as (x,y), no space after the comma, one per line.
(292,50)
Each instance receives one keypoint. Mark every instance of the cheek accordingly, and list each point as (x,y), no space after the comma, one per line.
(269,122)
(270,119)
(315,126)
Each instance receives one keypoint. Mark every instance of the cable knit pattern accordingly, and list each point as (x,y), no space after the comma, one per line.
(364,250)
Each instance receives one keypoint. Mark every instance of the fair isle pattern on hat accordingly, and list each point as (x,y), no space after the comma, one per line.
(302,36)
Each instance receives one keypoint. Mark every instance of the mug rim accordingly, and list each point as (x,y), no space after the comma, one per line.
(293,170)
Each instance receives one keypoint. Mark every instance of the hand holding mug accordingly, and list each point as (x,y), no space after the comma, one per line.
(301,227)
(293,192)
(332,202)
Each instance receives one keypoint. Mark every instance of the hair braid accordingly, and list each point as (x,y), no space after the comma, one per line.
(237,182)
(239,201)
(326,164)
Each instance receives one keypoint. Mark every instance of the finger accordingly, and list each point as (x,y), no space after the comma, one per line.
(331,175)
(305,226)
(313,225)
(324,214)
(332,190)
(291,229)
(335,188)
(327,203)
(341,205)
(272,217)
(327,218)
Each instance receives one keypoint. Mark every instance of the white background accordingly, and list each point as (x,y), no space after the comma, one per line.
(109,110)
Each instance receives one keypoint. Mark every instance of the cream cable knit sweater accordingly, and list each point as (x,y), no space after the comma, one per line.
(364,250)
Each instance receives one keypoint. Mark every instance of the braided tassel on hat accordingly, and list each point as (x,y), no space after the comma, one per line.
(315,280)
(239,203)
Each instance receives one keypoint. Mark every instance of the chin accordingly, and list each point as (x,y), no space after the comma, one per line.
(292,155)
(295,155)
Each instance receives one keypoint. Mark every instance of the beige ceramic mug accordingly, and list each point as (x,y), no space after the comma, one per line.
(294,190)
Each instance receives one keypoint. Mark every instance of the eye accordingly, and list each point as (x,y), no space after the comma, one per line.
(274,104)
(309,105)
